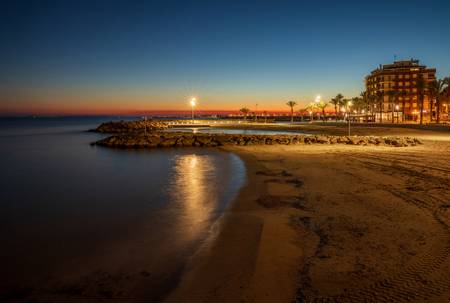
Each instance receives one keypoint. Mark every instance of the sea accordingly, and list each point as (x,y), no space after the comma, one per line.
(82,223)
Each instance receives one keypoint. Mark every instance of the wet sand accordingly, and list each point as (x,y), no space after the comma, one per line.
(332,224)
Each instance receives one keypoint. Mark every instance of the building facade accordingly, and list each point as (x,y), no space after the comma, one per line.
(395,88)
(445,104)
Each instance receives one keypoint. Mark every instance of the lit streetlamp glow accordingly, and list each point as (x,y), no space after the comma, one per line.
(193,103)
(349,103)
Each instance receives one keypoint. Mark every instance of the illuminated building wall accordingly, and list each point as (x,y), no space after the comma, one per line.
(400,77)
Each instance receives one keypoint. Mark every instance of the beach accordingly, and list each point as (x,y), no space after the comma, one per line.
(329,223)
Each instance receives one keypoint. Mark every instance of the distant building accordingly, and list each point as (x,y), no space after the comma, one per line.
(400,78)
(445,101)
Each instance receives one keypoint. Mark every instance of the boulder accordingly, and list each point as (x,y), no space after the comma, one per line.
(322,139)
(203,139)
(167,142)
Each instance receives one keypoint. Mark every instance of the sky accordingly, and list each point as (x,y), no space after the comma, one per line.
(130,57)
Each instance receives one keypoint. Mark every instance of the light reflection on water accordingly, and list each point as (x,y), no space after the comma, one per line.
(193,185)
(80,209)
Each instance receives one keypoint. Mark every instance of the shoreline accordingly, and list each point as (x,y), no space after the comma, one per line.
(288,237)
(227,267)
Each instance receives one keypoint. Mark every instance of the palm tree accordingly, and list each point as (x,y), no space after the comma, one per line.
(446,81)
(310,109)
(403,94)
(392,97)
(358,104)
(322,105)
(421,86)
(337,102)
(432,91)
(380,97)
(371,100)
(435,89)
(245,112)
(365,99)
(302,112)
(291,104)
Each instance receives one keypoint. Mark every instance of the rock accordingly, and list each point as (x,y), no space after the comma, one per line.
(322,139)
(203,140)
(130,126)
(268,141)
(164,139)
(168,142)
(333,140)
(187,140)
(342,140)
(352,140)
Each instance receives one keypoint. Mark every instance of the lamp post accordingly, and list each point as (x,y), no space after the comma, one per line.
(349,103)
(396,111)
(193,103)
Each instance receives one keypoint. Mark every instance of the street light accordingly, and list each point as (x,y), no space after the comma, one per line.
(349,103)
(193,104)
(396,111)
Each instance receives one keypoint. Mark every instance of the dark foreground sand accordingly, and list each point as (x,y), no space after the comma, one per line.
(332,224)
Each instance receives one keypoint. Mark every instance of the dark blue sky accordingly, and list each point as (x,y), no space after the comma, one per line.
(74,56)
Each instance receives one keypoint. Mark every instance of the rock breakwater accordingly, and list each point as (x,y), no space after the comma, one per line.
(161,139)
(130,126)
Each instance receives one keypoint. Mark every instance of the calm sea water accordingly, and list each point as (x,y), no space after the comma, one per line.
(79,222)
(217,130)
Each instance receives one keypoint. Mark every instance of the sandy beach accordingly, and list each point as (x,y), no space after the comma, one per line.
(332,224)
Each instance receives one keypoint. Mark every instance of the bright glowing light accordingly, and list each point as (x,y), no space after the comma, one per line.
(317,99)
(396,107)
(310,112)
(349,103)
(193,102)
(362,112)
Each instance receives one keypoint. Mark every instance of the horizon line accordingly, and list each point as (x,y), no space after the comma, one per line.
(135,113)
